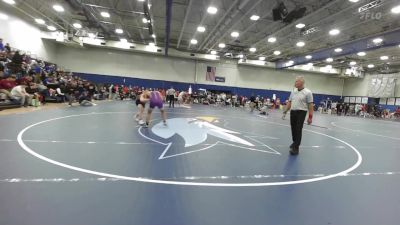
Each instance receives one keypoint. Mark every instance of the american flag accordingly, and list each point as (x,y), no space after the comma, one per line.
(210,74)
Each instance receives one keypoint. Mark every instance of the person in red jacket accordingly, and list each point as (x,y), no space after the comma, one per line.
(6,85)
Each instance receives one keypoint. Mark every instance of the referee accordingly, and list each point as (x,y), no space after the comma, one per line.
(300,100)
(171,97)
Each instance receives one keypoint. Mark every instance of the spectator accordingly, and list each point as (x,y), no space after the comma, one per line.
(7,48)
(6,85)
(1,45)
(19,93)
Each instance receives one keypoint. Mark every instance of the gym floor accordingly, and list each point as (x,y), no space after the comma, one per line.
(210,165)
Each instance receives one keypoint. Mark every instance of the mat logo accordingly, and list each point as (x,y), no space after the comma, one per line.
(195,131)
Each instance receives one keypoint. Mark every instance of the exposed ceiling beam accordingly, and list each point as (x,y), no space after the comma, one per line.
(188,8)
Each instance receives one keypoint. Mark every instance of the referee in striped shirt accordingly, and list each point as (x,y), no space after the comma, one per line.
(300,101)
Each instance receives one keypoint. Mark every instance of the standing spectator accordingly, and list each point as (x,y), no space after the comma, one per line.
(1,45)
(171,97)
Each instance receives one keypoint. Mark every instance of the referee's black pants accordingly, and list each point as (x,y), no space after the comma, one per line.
(171,99)
(297,118)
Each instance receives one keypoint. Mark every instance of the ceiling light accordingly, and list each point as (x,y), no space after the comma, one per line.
(213,52)
(40,21)
(119,31)
(300,25)
(300,44)
(291,62)
(310,64)
(51,28)
(201,29)
(377,40)
(193,42)
(329,60)
(385,57)
(371,66)
(308,57)
(221,45)
(262,58)
(141,0)
(352,63)
(105,14)
(277,52)
(255,17)
(235,34)
(212,10)
(338,50)
(77,25)
(123,40)
(241,56)
(361,54)
(396,9)
(11,2)
(353,0)
(334,32)
(3,16)
(271,39)
(144,20)
(152,44)
(153,36)
(58,8)
(91,35)
(252,49)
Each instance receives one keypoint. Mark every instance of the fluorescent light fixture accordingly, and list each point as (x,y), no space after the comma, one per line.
(271,39)
(361,54)
(384,57)
(300,25)
(255,17)
(308,56)
(119,31)
(153,36)
(123,40)
(141,0)
(58,8)
(352,63)
(396,9)
(377,40)
(91,35)
(3,16)
(193,42)
(201,29)
(334,32)
(252,49)
(262,58)
(77,25)
(144,20)
(241,56)
(213,57)
(277,52)
(51,28)
(221,45)
(11,2)
(213,52)
(300,44)
(235,34)
(212,10)
(371,65)
(338,50)
(105,14)
(353,0)
(40,21)
(329,60)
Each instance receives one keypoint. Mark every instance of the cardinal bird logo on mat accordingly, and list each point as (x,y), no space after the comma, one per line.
(195,131)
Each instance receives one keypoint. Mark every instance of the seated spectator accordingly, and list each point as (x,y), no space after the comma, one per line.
(7,48)
(19,93)
(2,49)
(6,85)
